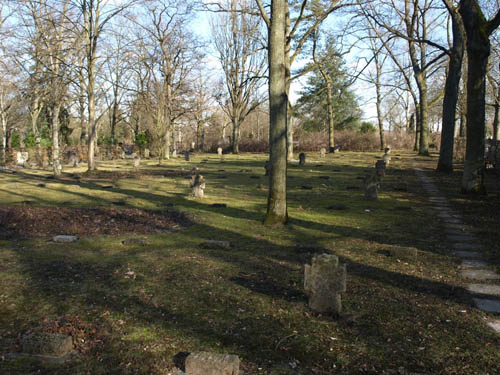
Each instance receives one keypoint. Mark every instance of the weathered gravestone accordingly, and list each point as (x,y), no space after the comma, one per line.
(73,159)
(47,346)
(186,156)
(324,280)
(371,185)
(219,151)
(322,152)
(387,159)
(197,186)
(267,167)
(205,363)
(387,150)
(64,238)
(193,145)
(174,153)
(146,153)
(380,168)
(21,158)
(137,161)
(302,158)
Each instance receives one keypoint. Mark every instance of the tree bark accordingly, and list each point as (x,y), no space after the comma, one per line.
(478,31)
(56,164)
(445,163)
(379,109)
(278,106)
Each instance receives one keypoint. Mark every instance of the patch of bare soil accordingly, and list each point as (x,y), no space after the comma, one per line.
(28,222)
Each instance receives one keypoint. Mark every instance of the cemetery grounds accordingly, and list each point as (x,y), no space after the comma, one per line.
(137,291)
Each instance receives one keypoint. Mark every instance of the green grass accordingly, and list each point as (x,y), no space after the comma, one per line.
(248,300)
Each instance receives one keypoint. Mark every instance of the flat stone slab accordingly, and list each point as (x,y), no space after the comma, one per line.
(474,263)
(467,254)
(465,246)
(480,274)
(212,244)
(494,325)
(205,363)
(64,238)
(488,305)
(492,290)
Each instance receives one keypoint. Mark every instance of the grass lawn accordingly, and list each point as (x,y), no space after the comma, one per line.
(136,308)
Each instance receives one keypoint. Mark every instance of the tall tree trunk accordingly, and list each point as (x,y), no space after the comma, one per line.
(56,164)
(417,128)
(289,137)
(478,51)
(3,146)
(236,132)
(423,147)
(91,114)
(451,90)
(278,106)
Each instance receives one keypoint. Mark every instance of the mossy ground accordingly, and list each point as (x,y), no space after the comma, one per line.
(150,303)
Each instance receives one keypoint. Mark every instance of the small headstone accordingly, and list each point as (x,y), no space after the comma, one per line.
(371,184)
(45,344)
(324,280)
(322,152)
(186,156)
(22,158)
(387,150)
(205,363)
(336,149)
(193,145)
(147,152)
(380,168)
(174,153)
(197,186)
(219,151)
(64,238)
(137,162)
(302,158)
(213,244)
(387,159)
(267,167)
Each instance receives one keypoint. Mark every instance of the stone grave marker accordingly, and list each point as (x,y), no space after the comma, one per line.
(387,159)
(137,162)
(324,280)
(267,167)
(174,153)
(64,238)
(219,151)
(197,186)
(146,153)
(387,150)
(21,158)
(186,156)
(302,158)
(371,185)
(322,152)
(53,347)
(380,168)
(205,363)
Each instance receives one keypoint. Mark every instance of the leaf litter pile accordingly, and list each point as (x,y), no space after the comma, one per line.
(29,222)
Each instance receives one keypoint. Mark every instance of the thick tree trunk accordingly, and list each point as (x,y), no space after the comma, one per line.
(331,117)
(478,51)
(91,114)
(423,147)
(289,131)
(451,90)
(278,105)
(236,134)
(56,164)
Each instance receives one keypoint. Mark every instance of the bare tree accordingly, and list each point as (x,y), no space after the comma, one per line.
(236,36)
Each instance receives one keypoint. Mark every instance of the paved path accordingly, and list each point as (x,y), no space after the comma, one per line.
(486,296)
